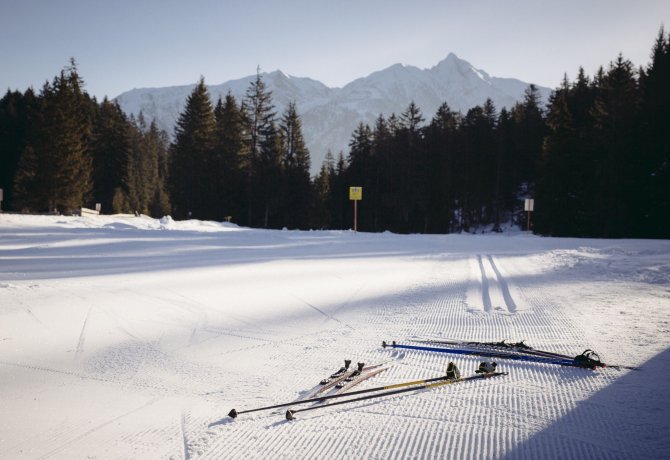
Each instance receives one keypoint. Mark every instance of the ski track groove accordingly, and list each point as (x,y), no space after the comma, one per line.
(483,286)
(318,310)
(486,297)
(82,335)
(30,313)
(184,438)
(504,287)
(118,321)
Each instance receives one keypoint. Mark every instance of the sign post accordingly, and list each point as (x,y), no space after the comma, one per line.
(355,194)
(0,200)
(528,206)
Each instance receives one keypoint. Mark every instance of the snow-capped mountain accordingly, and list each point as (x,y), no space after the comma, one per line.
(330,115)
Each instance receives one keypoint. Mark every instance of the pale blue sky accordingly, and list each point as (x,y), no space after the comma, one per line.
(121,44)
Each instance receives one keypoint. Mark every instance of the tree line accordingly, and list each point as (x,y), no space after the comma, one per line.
(605,164)
(240,161)
(596,159)
(62,150)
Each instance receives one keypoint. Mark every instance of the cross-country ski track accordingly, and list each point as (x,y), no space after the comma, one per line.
(129,337)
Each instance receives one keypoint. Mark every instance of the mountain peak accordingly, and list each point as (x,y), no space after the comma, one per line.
(330,115)
(451,61)
(453,65)
(278,74)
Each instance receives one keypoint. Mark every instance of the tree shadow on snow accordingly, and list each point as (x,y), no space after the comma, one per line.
(629,419)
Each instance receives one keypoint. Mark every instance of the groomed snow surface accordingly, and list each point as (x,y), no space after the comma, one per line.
(130,337)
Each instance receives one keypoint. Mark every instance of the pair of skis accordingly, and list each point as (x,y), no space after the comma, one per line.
(513,351)
(379,392)
(330,387)
(343,379)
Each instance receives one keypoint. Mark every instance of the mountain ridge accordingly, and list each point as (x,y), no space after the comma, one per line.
(330,115)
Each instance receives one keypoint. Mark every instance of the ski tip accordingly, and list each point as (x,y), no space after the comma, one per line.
(289,415)
(232,413)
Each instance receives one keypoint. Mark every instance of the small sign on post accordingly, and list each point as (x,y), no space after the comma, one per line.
(355,195)
(528,206)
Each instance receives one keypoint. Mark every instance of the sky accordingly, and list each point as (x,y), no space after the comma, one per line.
(120,45)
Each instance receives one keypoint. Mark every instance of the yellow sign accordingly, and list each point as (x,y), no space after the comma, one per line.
(355,193)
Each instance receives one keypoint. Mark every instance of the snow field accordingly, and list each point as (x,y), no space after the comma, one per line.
(124,337)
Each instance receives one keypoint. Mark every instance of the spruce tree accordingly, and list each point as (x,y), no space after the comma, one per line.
(295,168)
(478,162)
(229,179)
(110,151)
(55,168)
(441,146)
(616,133)
(16,113)
(410,159)
(259,136)
(339,198)
(378,200)
(559,186)
(654,202)
(155,144)
(146,188)
(191,153)
(320,216)
(268,183)
(358,174)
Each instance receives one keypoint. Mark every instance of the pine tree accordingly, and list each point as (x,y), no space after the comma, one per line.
(230,181)
(615,114)
(379,200)
(654,200)
(142,169)
(442,145)
(560,183)
(155,144)
(410,159)
(110,151)
(295,167)
(268,184)
(16,112)
(259,140)
(530,130)
(147,191)
(358,172)
(320,216)
(195,138)
(478,163)
(506,188)
(55,168)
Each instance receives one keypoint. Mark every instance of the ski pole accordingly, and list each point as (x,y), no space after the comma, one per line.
(290,414)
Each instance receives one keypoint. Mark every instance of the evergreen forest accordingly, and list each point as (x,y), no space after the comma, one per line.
(596,159)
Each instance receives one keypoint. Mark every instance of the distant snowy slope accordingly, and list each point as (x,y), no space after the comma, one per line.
(330,115)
